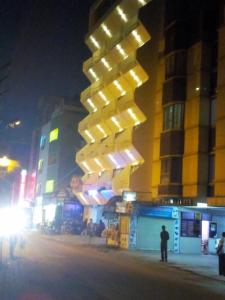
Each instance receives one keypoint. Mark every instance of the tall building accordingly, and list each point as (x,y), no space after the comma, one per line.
(155,131)
(189,129)
(116,130)
(59,140)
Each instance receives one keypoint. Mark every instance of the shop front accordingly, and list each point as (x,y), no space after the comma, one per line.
(149,225)
(192,230)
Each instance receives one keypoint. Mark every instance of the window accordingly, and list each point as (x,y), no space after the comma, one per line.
(171,170)
(173,117)
(42,141)
(40,165)
(54,135)
(176,64)
(49,187)
(213,112)
(190,224)
(165,171)
(211,176)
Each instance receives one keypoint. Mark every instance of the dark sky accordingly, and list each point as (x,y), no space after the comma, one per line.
(44,40)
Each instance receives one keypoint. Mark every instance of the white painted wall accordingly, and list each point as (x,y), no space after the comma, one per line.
(190,245)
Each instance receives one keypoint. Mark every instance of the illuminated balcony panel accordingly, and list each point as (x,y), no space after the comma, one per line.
(129,44)
(94,42)
(122,14)
(106,30)
(104,98)
(132,156)
(106,64)
(93,74)
(91,104)
(128,77)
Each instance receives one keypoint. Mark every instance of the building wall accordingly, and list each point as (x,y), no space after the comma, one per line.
(190,245)
(58,155)
(71,142)
(43,156)
(183,154)
(172,150)
(220,120)
(145,97)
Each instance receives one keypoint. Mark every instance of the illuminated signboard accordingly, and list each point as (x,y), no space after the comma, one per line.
(129,196)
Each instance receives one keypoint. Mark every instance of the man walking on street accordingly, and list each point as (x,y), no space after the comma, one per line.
(164,235)
(221,254)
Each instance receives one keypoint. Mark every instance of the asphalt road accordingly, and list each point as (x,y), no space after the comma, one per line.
(52,270)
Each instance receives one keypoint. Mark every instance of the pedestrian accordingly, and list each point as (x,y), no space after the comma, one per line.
(90,228)
(221,255)
(164,235)
(100,228)
(84,227)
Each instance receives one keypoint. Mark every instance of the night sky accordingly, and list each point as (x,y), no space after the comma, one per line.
(44,41)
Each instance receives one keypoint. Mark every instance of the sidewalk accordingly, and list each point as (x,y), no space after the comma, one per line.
(205,265)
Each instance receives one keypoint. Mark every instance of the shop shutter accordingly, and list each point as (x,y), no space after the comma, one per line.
(148,233)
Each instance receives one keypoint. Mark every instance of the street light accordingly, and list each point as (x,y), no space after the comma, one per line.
(8,164)
(10,124)
(15,123)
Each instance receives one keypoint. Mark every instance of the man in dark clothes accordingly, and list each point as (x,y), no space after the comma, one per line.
(164,235)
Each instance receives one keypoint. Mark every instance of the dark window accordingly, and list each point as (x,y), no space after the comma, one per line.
(173,116)
(211,168)
(175,37)
(175,9)
(174,90)
(176,65)
(165,171)
(213,112)
(190,228)
(171,170)
(190,224)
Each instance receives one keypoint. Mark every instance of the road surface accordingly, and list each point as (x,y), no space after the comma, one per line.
(51,270)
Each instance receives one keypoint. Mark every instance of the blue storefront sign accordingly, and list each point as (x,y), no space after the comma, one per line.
(158,212)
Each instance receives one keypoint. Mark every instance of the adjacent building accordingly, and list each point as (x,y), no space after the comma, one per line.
(59,140)
(155,131)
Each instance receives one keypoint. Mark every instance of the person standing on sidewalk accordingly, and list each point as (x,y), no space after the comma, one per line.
(221,254)
(90,228)
(164,235)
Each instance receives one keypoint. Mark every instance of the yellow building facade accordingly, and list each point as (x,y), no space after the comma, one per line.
(156,122)
(115,157)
